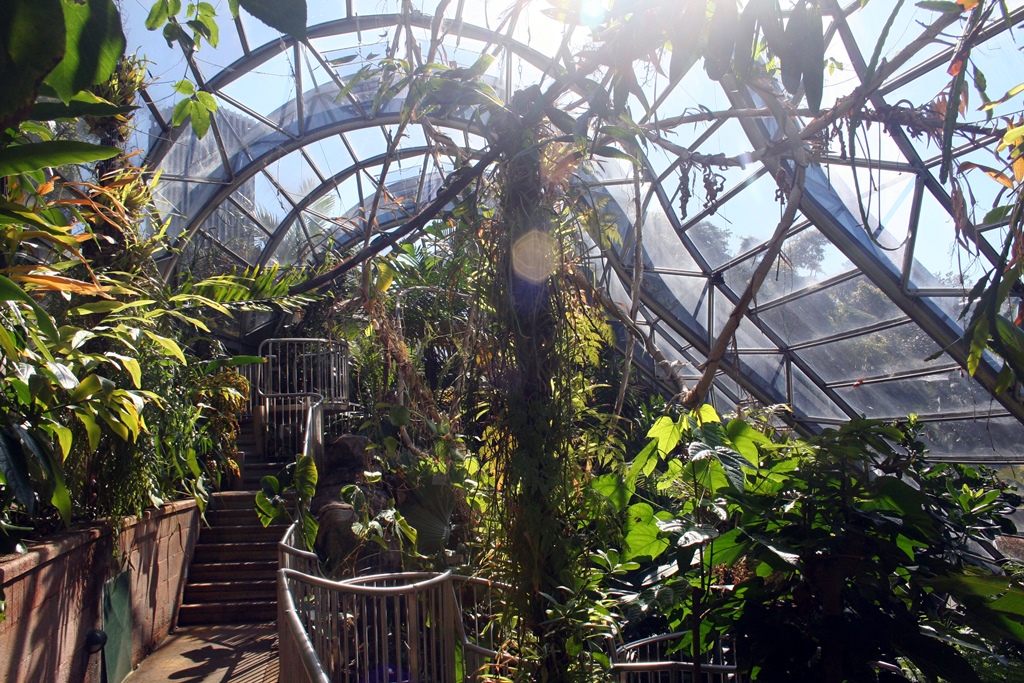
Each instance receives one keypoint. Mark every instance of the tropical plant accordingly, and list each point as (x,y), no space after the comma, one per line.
(818,558)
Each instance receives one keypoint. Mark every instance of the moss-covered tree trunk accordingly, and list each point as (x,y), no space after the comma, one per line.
(535,465)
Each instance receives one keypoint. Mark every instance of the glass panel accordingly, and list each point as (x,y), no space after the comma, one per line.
(808,258)
(245,138)
(948,392)
(747,334)
(809,401)
(294,175)
(366,142)
(268,90)
(873,355)
(840,308)
(232,228)
(330,155)
(739,224)
(987,440)
(201,259)
(867,24)
(767,371)
(939,259)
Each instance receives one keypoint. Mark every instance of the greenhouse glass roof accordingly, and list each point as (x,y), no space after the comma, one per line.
(874,270)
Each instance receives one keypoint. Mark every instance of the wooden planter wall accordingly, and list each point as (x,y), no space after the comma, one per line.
(54,593)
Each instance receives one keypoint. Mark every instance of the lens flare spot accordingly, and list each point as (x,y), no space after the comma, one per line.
(533,256)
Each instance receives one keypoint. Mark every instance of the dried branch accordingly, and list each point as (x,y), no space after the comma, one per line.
(695,397)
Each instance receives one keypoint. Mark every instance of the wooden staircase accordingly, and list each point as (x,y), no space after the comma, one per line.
(231,579)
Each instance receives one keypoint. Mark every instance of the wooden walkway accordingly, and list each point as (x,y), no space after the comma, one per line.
(239,653)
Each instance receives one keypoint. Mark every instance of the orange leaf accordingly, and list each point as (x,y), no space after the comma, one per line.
(998,176)
(57,283)
(967,4)
(1018,168)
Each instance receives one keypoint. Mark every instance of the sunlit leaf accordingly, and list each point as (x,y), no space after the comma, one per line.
(38,155)
(93,45)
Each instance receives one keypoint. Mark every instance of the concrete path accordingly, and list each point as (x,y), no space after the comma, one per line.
(239,653)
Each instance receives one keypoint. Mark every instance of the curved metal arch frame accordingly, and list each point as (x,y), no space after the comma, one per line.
(889,279)
(333,181)
(277,153)
(268,51)
(254,58)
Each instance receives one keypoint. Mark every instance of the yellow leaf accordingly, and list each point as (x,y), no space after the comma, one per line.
(967,4)
(1012,137)
(1018,168)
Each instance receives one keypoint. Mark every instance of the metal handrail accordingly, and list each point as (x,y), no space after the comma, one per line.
(420,616)
(299,371)
(342,630)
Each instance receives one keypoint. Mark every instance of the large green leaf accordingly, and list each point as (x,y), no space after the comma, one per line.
(15,471)
(32,40)
(268,510)
(643,536)
(305,477)
(94,43)
(12,292)
(746,439)
(287,16)
(668,433)
(612,487)
(37,155)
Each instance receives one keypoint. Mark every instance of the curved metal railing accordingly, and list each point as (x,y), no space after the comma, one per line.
(409,626)
(430,627)
(426,627)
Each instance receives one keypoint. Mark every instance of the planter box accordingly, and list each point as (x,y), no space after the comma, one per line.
(54,593)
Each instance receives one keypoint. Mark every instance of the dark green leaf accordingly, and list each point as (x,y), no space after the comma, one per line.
(399,415)
(200,118)
(1000,213)
(48,111)
(94,43)
(721,39)
(287,16)
(159,13)
(941,6)
(813,61)
(560,120)
(37,155)
(32,39)
(268,510)
(61,497)
(182,110)
(309,529)
(746,439)
(15,470)
(614,153)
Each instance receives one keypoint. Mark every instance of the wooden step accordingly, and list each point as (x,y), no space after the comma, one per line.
(217,518)
(233,500)
(213,553)
(249,533)
(244,612)
(230,591)
(216,572)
